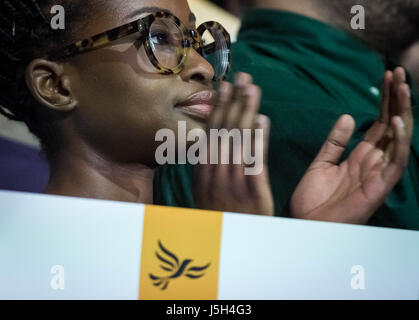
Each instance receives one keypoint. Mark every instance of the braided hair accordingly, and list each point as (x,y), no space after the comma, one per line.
(25,34)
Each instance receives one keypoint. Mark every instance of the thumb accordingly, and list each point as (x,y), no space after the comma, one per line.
(335,144)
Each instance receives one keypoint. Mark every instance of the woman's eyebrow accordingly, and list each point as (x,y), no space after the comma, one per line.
(146,10)
(192,17)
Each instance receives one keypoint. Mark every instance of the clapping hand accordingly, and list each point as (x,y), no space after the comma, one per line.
(351,191)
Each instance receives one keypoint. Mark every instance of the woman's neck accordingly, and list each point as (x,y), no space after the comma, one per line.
(83,173)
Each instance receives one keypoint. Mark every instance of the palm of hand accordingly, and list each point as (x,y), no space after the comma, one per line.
(351,191)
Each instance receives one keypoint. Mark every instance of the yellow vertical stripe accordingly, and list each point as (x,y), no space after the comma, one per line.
(180,254)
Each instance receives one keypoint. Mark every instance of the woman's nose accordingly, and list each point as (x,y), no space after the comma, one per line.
(197,69)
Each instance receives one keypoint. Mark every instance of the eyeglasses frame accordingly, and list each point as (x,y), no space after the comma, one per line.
(192,39)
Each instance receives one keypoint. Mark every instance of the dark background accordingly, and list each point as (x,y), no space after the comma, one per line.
(232,6)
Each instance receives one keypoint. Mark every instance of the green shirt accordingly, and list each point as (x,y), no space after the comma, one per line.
(310,74)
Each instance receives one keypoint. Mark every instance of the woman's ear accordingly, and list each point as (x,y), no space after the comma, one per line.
(49,85)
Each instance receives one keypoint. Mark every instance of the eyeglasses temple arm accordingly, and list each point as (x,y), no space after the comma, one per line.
(96,42)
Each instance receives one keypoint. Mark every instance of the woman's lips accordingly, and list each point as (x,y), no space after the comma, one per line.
(199,105)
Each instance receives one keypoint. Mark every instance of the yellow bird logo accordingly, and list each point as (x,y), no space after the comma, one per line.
(171,263)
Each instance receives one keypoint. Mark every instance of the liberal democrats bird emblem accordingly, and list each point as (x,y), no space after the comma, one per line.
(175,268)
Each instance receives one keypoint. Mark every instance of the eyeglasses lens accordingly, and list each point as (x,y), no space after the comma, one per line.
(216,50)
(166,41)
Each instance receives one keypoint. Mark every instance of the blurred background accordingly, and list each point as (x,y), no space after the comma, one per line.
(224,11)
(22,167)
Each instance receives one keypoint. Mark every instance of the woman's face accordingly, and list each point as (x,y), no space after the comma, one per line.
(121,100)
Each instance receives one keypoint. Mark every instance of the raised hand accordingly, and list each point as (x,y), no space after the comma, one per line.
(350,192)
(225,187)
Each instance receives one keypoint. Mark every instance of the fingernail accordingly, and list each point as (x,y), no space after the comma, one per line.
(262,120)
(250,90)
(399,122)
(408,91)
(224,87)
(240,79)
(404,89)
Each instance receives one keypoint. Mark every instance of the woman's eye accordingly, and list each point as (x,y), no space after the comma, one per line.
(160,38)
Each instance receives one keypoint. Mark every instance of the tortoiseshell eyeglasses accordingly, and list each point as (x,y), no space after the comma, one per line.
(167,43)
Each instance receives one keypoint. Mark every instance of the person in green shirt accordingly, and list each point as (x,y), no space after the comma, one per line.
(312,68)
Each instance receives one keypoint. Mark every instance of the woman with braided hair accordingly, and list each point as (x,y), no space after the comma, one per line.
(97,92)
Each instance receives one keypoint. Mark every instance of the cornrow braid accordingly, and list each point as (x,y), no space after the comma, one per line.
(25,34)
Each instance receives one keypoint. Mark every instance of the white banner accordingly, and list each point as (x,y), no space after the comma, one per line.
(69,248)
